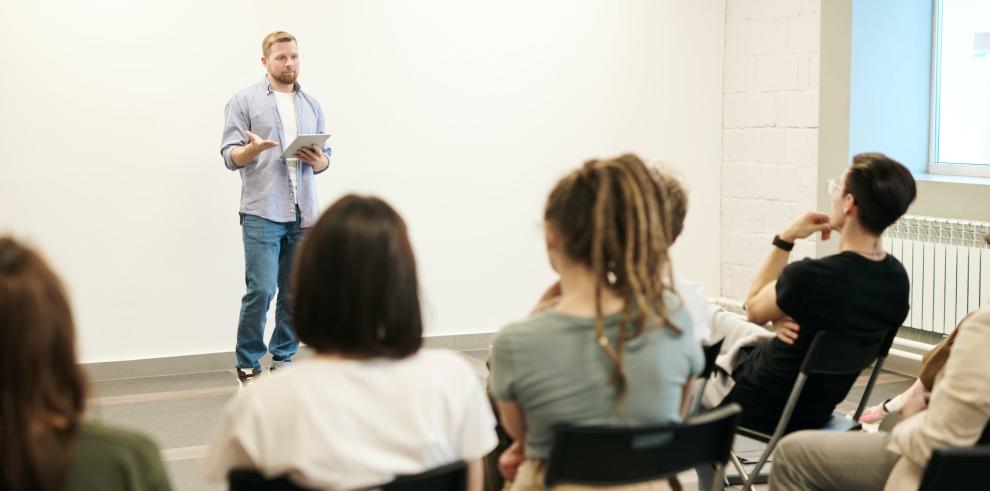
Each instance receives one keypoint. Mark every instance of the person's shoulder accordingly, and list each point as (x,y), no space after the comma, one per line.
(309,97)
(678,307)
(248,92)
(980,319)
(528,325)
(112,439)
(811,267)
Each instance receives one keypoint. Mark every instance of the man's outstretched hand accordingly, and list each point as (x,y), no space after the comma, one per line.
(258,144)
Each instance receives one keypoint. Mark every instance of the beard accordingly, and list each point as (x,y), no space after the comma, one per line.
(286,77)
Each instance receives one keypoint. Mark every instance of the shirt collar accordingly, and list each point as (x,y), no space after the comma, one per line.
(268,85)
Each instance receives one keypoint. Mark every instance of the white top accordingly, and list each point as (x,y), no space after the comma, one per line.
(286,103)
(696,302)
(351,424)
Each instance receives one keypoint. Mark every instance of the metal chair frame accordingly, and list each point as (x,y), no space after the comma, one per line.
(819,360)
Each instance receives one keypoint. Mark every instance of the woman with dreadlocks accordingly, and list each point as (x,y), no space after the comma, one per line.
(618,347)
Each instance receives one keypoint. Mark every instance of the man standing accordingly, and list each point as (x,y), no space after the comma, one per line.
(278,196)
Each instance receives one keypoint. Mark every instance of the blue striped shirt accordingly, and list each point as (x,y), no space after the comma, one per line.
(266,189)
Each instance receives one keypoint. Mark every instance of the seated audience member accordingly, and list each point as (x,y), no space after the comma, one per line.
(617,348)
(372,404)
(954,414)
(859,291)
(932,363)
(46,444)
(692,292)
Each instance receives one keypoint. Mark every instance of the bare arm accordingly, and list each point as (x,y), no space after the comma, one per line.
(513,423)
(686,396)
(511,414)
(475,475)
(761,302)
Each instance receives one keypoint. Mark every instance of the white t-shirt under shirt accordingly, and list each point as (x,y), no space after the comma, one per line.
(286,103)
(351,424)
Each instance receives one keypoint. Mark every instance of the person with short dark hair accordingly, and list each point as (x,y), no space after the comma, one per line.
(46,445)
(372,404)
(861,291)
(949,406)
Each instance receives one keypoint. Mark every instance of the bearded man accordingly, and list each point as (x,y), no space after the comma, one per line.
(278,195)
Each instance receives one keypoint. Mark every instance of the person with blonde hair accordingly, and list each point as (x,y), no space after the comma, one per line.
(278,196)
(622,344)
(46,444)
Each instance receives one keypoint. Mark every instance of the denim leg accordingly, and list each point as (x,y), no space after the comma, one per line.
(284,342)
(261,252)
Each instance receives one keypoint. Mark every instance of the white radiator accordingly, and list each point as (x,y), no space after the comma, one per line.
(948,263)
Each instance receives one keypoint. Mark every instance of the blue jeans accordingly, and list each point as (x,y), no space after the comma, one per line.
(268,251)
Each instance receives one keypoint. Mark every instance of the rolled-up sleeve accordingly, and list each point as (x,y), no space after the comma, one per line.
(500,375)
(321,127)
(235,123)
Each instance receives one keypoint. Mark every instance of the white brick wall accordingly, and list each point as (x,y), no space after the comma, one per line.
(770,130)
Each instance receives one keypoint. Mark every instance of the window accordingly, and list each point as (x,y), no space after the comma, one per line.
(960,129)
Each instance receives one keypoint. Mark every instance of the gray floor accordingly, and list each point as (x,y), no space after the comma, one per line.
(179,412)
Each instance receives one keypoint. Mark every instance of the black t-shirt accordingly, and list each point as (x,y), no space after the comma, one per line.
(844,293)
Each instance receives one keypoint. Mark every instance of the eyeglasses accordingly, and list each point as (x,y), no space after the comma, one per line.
(832,185)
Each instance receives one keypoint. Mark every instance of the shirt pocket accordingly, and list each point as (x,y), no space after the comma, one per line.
(307,117)
(264,124)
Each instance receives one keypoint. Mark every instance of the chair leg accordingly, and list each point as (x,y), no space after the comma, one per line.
(751,478)
(738,465)
(718,484)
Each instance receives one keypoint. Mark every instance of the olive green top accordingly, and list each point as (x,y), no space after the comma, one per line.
(115,459)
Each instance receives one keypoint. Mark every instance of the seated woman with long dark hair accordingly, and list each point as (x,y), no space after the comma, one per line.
(371,405)
(44,443)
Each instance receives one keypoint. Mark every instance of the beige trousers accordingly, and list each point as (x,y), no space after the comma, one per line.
(832,461)
(530,477)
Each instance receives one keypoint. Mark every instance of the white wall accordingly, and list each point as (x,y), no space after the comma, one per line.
(770,137)
(460,113)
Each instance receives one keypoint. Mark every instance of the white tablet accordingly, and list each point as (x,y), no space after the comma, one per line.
(304,141)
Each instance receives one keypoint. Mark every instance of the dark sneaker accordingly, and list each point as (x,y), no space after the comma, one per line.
(245,378)
(276,364)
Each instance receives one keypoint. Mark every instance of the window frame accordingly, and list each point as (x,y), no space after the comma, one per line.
(934,166)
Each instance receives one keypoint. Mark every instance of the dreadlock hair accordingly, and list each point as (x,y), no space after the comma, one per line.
(611,217)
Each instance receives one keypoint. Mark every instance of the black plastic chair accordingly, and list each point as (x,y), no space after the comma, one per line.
(956,468)
(829,354)
(451,477)
(251,480)
(609,455)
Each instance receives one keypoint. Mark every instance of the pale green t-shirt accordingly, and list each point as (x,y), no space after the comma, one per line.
(553,367)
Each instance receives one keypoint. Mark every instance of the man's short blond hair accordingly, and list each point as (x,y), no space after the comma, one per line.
(275,37)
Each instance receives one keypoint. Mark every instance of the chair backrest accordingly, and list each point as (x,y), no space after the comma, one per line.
(622,455)
(956,468)
(837,354)
(451,477)
(252,480)
(711,353)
